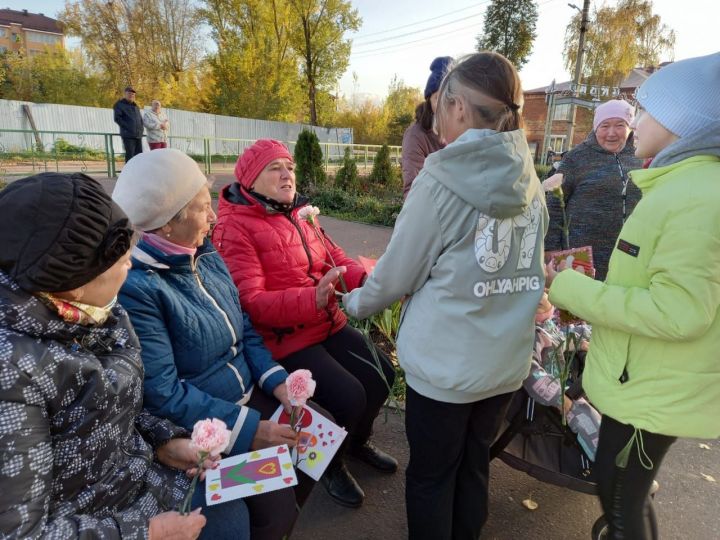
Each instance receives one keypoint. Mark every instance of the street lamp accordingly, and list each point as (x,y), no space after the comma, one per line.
(578,69)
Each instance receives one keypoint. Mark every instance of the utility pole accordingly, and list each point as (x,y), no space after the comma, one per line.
(578,70)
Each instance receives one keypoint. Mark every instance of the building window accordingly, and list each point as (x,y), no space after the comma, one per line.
(556,143)
(3,49)
(3,32)
(38,37)
(561,112)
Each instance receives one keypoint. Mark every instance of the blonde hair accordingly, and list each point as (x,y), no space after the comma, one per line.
(490,87)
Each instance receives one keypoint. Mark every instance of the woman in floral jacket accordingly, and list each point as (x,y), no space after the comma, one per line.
(80,458)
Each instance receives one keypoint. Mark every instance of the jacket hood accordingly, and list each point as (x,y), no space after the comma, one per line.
(235,199)
(705,142)
(485,176)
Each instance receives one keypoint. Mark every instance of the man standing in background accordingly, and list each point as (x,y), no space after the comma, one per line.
(127,116)
(156,125)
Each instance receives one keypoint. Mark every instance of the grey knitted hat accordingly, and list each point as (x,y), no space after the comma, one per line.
(684,96)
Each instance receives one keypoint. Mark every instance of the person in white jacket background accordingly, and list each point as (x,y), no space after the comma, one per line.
(156,125)
(467,251)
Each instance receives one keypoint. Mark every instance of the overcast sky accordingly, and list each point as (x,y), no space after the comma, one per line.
(401,37)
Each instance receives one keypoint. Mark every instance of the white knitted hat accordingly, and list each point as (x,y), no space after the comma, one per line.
(154,186)
(684,96)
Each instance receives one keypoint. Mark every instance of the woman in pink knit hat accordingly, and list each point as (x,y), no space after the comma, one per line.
(598,194)
(287,269)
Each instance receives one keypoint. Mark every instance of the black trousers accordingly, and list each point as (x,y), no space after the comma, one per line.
(132,147)
(446,486)
(624,493)
(350,388)
(273,515)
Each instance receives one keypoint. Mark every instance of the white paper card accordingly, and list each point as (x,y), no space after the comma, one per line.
(320,439)
(252,473)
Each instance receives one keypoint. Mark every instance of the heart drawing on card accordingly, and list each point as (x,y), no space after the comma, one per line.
(282,450)
(330,433)
(216,497)
(319,426)
(288,480)
(324,443)
(321,435)
(258,487)
(213,487)
(332,442)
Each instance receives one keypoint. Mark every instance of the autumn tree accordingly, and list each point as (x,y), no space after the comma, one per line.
(320,45)
(617,40)
(255,67)
(151,44)
(51,76)
(399,109)
(509,29)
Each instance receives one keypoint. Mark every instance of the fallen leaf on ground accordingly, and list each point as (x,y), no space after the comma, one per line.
(708,477)
(704,446)
(530,504)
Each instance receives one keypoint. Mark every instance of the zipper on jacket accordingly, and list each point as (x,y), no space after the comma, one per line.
(625,179)
(233,348)
(305,247)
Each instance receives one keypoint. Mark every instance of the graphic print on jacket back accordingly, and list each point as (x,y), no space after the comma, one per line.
(493,247)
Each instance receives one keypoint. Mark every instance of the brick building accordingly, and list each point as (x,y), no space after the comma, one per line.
(535,112)
(28,32)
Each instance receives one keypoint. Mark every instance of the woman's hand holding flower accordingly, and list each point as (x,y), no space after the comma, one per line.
(281,394)
(180,454)
(209,438)
(326,286)
(271,433)
(175,526)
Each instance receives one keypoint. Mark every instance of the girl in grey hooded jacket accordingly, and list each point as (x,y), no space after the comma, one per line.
(467,253)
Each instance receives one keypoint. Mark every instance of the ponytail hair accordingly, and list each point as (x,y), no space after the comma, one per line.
(424,115)
(490,86)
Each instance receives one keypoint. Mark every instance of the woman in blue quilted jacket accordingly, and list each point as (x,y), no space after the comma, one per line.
(201,354)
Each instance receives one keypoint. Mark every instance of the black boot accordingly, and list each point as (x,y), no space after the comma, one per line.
(375,457)
(341,486)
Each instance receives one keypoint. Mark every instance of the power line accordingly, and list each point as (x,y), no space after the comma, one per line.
(427,38)
(475,5)
(398,47)
(414,32)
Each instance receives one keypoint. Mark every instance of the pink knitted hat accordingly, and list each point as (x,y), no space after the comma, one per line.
(254,159)
(615,108)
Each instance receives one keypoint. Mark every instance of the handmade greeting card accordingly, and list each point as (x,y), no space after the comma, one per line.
(320,439)
(578,258)
(260,471)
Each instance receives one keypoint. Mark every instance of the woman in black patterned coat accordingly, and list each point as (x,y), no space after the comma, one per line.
(78,456)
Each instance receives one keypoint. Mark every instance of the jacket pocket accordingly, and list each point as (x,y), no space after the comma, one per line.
(609,352)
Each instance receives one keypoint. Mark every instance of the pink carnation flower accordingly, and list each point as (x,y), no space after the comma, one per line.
(308,213)
(210,436)
(300,387)
(553,183)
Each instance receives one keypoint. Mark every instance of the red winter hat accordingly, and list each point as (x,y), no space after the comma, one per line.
(254,159)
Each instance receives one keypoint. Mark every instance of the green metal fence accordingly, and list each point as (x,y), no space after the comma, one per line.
(27,152)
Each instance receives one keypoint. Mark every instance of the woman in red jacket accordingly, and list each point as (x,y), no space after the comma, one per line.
(286,269)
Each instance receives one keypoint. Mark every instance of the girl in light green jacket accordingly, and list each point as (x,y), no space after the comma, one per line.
(653,368)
